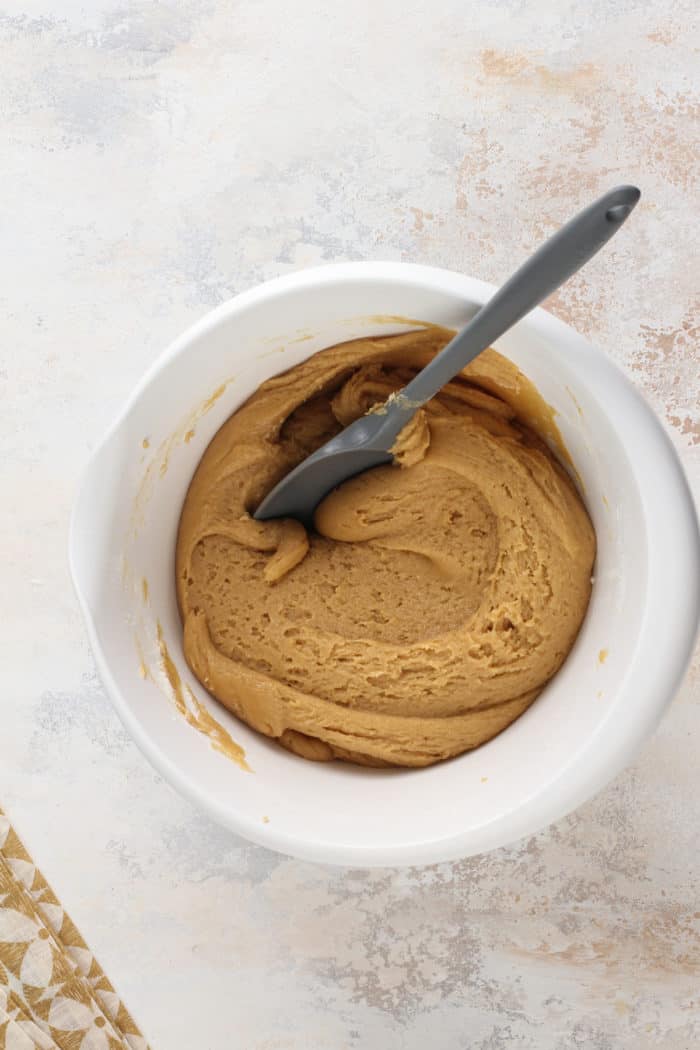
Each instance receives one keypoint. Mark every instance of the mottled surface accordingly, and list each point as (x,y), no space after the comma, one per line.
(159,157)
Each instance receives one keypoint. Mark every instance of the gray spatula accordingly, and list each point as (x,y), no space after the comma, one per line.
(368,441)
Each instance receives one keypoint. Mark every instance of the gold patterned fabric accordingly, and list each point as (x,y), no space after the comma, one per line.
(53,993)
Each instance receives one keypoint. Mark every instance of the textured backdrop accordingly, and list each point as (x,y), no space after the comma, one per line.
(158,157)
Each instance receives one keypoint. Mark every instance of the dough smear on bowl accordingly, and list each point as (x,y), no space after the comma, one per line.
(437,595)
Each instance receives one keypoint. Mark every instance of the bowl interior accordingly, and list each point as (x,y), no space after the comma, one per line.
(124,531)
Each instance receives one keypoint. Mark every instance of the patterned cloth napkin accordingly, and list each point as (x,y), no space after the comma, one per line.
(53,993)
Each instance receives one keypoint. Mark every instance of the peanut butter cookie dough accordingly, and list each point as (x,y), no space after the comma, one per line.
(435,598)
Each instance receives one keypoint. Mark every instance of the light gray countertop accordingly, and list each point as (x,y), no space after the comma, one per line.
(156,159)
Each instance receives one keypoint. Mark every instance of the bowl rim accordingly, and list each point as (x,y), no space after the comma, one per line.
(676,582)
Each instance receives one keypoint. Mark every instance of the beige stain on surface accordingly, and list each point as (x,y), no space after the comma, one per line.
(575,303)
(667,141)
(687,426)
(668,366)
(660,946)
(664,35)
(502,64)
(579,79)
(472,173)
(589,132)
(602,656)
(528,71)
(682,104)
(144,589)
(419,218)
(663,345)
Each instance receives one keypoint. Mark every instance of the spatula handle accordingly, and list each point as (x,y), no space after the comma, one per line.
(561,256)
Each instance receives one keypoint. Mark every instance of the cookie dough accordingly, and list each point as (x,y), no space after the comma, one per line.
(436,596)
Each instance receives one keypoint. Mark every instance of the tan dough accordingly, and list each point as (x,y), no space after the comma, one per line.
(436,598)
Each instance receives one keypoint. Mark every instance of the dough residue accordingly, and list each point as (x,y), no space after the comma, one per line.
(195,713)
(435,597)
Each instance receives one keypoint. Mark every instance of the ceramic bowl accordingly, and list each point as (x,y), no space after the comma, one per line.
(590,720)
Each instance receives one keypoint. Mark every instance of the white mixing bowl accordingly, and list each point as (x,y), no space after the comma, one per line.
(622,673)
